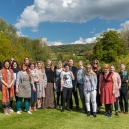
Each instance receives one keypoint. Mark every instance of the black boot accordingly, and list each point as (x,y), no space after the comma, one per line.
(62,110)
(94,114)
(88,113)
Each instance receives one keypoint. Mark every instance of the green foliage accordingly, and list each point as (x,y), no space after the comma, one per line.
(108,46)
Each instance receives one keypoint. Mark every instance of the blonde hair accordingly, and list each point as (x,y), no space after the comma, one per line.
(91,70)
(52,66)
(98,65)
(59,63)
(42,66)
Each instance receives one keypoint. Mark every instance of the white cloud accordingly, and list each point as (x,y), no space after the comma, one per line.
(71,11)
(20,34)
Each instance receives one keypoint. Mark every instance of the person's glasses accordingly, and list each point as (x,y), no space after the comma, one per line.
(95,63)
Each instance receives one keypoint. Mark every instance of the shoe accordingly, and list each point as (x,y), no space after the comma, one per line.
(77,107)
(62,110)
(116,114)
(29,112)
(68,109)
(88,113)
(18,112)
(60,107)
(6,111)
(94,114)
(57,107)
(106,114)
(110,115)
(35,109)
(30,109)
(11,110)
(121,112)
(126,112)
(82,111)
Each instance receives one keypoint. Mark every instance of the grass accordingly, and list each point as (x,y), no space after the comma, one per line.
(54,119)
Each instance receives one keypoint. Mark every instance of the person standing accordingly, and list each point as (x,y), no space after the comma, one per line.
(42,83)
(23,88)
(7,79)
(80,84)
(66,86)
(117,82)
(97,70)
(58,83)
(90,86)
(124,89)
(15,68)
(35,78)
(73,69)
(49,98)
(107,90)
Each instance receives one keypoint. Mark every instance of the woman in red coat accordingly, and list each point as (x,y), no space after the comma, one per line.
(107,90)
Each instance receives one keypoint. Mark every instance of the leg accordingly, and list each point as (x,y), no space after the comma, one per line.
(19,102)
(93,100)
(69,92)
(58,96)
(116,105)
(26,104)
(64,93)
(120,100)
(71,101)
(87,101)
(76,98)
(61,98)
(125,96)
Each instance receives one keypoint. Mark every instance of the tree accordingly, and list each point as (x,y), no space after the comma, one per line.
(108,46)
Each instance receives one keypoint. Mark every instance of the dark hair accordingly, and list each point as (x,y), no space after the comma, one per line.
(66,64)
(13,64)
(5,62)
(1,65)
(31,63)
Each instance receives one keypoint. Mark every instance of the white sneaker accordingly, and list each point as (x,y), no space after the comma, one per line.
(60,107)
(18,112)
(11,110)
(29,112)
(57,107)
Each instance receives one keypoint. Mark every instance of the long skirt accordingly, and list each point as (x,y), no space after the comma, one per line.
(49,98)
(33,94)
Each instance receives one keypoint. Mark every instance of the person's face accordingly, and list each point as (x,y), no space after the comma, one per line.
(88,68)
(71,63)
(14,65)
(122,68)
(6,65)
(106,70)
(59,65)
(95,64)
(112,69)
(27,61)
(11,60)
(80,64)
(32,67)
(24,68)
(66,68)
(39,65)
(49,63)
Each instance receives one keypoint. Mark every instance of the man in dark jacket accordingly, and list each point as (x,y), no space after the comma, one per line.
(124,89)
(74,91)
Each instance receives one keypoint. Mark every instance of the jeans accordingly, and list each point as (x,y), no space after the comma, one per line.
(26,103)
(59,95)
(123,95)
(66,95)
(116,105)
(81,92)
(90,95)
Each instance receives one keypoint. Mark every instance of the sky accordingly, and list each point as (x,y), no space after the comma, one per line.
(65,21)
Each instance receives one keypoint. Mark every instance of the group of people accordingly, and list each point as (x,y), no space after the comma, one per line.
(37,84)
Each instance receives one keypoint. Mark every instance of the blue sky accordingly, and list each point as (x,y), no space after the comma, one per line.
(65,21)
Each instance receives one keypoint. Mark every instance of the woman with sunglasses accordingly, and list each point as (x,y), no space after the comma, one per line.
(107,89)
(97,70)
(90,86)
(117,81)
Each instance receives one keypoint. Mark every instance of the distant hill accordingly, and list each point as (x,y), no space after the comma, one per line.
(73,48)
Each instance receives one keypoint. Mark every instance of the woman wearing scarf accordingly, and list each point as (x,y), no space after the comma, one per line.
(90,85)
(7,79)
(14,67)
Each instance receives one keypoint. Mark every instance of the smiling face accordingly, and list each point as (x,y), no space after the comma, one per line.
(7,65)
(24,67)
(14,65)
(32,66)
(80,64)
(49,63)
(122,68)
(112,69)
(39,65)
(67,68)
(95,64)
(71,62)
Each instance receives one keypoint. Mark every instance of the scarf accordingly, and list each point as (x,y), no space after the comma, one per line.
(7,94)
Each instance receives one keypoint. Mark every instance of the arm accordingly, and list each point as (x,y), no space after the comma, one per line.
(45,80)
(119,81)
(100,82)
(95,79)
(18,81)
(72,75)
(113,82)
(61,84)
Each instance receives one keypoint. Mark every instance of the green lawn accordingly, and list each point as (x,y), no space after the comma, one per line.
(54,119)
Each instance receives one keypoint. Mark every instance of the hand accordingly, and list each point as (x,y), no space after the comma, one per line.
(36,81)
(113,92)
(99,92)
(54,86)
(45,86)
(8,86)
(34,89)
(61,88)
(17,91)
(127,81)
(71,73)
